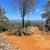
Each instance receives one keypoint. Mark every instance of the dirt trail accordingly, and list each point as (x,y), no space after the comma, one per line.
(34,42)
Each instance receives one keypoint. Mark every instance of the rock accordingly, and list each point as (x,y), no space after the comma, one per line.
(2,45)
(8,47)
(1,49)
(24,32)
(16,47)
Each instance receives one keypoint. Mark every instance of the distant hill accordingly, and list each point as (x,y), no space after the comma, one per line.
(32,21)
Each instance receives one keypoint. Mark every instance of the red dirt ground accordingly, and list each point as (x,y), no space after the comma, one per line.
(35,42)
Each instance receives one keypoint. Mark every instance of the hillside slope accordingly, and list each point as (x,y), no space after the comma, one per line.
(34,42)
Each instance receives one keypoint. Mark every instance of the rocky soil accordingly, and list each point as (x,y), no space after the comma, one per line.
(36,41)
(6,45)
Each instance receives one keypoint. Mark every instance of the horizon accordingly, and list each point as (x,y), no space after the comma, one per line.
(32,21)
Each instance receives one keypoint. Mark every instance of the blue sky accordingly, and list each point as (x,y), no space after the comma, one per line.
(10,12)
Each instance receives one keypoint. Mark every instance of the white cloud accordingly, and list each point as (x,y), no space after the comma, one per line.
(37,10)
(42,12)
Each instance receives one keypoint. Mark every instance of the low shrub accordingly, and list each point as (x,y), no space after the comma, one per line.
(27,33)
(41,26)
(48,26)
(27,24)
(3,26)
(4,29)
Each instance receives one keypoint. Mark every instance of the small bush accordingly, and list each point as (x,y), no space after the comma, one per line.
(48,26)
(27,24)
(27,33)
(3,26)
(41,26)
(4,29)
(6,25)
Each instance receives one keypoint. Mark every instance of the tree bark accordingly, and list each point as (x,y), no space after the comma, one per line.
(46,23)
(23,22)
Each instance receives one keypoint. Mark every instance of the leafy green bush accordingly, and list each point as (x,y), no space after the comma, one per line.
(37,25)
(48,26)
(14,26)
(27,33)
(27,24)
(4,25)
(4,29)
(41,26)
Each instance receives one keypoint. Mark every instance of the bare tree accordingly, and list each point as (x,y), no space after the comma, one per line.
(24,7)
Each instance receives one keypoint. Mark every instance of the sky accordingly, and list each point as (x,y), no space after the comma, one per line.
(12,15)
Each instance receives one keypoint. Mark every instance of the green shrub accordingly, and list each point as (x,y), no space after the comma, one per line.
(27,24)
(37,25)
(27,33)
(4,29)
(3,25)
(41,26)
(48,26)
